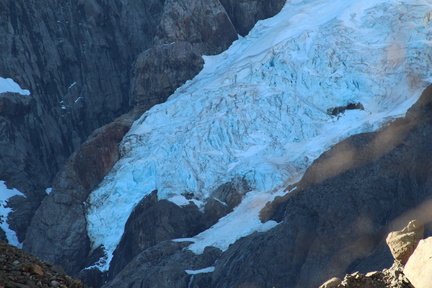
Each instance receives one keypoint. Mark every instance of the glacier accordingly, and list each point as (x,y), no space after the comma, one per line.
(260,112)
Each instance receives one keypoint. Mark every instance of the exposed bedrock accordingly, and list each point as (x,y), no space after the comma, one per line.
(58,232)
(245,13)
(75,59)
(161,69)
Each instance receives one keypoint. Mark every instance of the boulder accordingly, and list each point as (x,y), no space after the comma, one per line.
(418,269)
(403,243)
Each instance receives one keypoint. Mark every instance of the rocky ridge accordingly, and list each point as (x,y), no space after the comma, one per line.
(19,269)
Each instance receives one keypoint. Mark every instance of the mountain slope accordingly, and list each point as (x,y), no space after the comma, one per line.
(265,109)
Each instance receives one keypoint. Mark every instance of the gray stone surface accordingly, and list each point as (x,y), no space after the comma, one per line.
(57,233)
(152,222)
(164,266)
(161,69)
(245,13)
(205,24)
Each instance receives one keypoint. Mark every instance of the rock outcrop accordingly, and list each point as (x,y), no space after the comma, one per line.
(152,222)
(161,69)
(245,13)
(403,243)
(418,269)
(19,269)
(204,24)
(166,265)
(58,230)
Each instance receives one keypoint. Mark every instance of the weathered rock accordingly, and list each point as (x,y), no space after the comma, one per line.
(418,269)
(331,283)
(204,24)
(224,199)
(74,58)
(245,13)
(58,232)
(161,69)
(165,266)
(403,243)
(152,222)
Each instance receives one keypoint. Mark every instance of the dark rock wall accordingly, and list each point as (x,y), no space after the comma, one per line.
(58,229)
(75,58)
(82,66)
(245,13)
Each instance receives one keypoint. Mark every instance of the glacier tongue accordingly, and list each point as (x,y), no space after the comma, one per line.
(259,111)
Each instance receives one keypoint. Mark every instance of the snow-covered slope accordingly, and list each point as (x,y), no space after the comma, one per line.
(5,194)
(259,111)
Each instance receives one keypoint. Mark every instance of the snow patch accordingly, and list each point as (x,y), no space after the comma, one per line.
(5,194)
(9,85)
(200,271)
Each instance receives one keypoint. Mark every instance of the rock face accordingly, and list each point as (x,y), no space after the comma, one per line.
(403,243)
(418,269)
(204,24)
(165,266)
(161,69)
(88,62)
(76,58)
(58,230)
(245,13)
(152,222)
